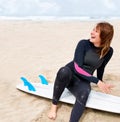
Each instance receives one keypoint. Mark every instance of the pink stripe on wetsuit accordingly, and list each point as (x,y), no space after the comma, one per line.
(80,70)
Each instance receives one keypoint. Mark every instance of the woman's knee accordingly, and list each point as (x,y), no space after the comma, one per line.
(64,73)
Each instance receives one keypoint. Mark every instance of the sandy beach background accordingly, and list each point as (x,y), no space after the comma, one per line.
(30,48)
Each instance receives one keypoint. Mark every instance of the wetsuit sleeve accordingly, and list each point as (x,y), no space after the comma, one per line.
(100,70)
(78,63)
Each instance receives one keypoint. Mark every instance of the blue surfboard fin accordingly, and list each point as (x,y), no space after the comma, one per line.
(43,80)
(28,84)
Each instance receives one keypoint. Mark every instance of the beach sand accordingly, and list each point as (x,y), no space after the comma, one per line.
(30,48)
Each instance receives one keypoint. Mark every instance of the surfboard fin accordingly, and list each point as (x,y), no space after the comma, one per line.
(28,84)
(43,80)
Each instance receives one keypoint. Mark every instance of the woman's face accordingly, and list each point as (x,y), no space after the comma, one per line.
(95,37)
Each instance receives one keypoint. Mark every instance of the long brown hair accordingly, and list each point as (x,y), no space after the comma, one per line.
(106,35)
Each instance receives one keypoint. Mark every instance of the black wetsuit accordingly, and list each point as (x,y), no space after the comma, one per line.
(78,74)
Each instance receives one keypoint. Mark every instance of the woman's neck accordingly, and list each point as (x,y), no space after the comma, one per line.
(96,44)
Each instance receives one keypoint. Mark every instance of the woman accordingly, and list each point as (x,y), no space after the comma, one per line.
(90,55)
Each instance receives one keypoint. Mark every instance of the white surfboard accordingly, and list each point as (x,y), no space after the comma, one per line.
(96,100)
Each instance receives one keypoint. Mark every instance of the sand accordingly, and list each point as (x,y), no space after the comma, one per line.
(30,48)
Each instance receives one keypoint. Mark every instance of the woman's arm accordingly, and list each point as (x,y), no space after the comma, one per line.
(100,70)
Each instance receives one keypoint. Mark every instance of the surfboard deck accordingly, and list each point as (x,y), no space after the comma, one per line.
(96,100)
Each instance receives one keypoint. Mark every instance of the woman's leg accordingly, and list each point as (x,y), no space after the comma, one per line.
(63,78)
(81,90)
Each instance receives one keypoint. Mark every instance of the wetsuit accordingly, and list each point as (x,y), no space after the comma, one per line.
(78,74)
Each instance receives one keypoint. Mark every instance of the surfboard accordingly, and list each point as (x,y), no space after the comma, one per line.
(96,100)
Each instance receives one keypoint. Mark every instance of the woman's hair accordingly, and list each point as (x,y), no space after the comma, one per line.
(106,35)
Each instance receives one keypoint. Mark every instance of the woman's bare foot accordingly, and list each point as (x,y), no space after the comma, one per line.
(53,112)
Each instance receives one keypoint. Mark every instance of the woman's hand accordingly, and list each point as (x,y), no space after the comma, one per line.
(104,87)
